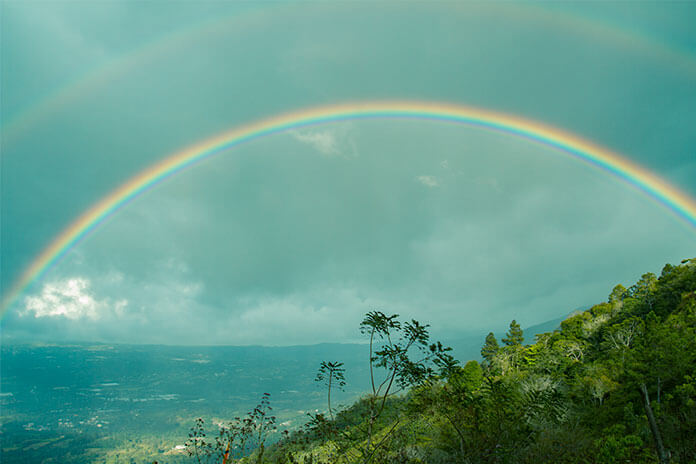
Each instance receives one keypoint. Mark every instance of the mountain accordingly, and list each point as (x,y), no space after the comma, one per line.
(549,326)
(469,346)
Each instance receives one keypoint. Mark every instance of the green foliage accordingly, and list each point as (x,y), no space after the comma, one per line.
(514,337)
(469,378)
(607,387)
(234,439)
(617,446)
(489,349)
(617,294)
(331,374)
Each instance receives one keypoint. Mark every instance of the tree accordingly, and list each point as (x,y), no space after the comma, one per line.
(329,373)
(470,377)
(489,350)
(621,336)
(400,357)
(514,337)
(513,347)
(654,429)
(644,289)
(401,371)
(617,294)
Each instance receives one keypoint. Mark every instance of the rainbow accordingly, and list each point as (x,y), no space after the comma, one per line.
(601,158)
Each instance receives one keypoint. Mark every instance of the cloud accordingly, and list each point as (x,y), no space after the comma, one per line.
(324,142)
(316,315)
(336,140)
(428,181)
(456,226)
(69,298)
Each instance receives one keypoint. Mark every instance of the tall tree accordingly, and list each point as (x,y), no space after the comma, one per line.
(398,340)
(331,374)
(514,337)
(490,349)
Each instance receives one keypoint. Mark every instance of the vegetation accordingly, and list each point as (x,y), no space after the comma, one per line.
(614,384)
(235,438)
(331,372)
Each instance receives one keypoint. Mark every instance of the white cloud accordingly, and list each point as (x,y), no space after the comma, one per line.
(428,181)
(324,142)
(69,298)
(336,140)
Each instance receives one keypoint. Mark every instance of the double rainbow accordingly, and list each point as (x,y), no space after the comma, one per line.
(601,158)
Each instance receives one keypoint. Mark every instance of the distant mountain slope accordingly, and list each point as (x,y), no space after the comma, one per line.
(469,346)
(549,326)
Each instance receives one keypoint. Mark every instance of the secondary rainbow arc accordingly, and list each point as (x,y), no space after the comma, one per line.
(678,202)
(108,71)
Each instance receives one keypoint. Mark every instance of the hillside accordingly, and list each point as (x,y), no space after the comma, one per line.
(573,394)
(615,383)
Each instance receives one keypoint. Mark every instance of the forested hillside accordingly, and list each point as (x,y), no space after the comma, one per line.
(615,384)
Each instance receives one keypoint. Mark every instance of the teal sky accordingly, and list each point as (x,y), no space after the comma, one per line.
(292,238)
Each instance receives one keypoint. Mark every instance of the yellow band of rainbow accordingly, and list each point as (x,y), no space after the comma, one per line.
(612,163)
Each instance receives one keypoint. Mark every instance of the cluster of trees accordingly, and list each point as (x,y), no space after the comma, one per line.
(615,384)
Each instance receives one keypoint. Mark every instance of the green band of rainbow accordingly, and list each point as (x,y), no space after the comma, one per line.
(659,190)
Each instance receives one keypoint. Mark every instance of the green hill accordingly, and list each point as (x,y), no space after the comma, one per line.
(615,383)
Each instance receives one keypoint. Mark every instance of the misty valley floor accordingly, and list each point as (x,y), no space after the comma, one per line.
(101,403)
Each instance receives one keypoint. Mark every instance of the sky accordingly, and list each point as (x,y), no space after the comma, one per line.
(292,238)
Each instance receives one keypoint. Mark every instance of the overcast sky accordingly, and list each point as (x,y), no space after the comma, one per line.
(292,238)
